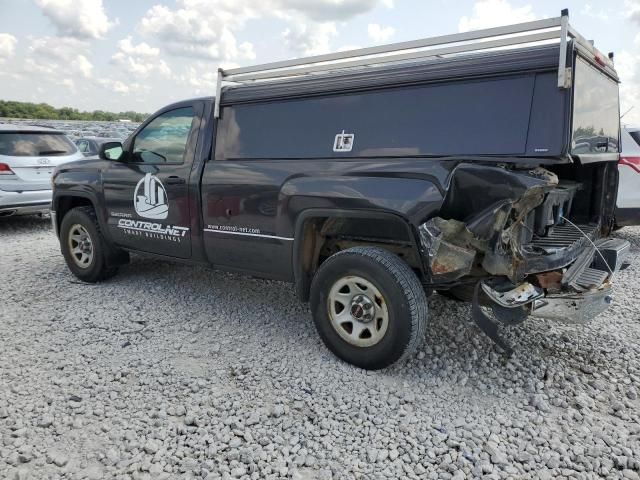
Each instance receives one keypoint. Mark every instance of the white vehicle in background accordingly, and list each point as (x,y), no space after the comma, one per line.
(628,205)
(28,156)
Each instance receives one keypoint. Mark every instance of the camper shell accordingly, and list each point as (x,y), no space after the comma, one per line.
(485,163)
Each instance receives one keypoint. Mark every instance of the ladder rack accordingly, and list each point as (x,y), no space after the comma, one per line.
(556,28)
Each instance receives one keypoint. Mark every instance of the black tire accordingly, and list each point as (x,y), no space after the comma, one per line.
(403,294)
(98,268)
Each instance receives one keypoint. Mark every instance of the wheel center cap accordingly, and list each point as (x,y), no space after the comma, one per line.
(362,309)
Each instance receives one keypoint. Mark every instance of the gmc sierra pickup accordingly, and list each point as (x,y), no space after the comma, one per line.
(373,178)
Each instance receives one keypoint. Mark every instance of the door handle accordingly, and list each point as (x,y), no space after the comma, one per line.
(175,180)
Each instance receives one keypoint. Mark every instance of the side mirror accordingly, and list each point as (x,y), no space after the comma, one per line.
(110,151)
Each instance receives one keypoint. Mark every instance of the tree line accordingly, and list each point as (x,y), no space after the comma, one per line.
(43,111)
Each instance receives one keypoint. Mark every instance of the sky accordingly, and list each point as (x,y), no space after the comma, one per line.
(119,55)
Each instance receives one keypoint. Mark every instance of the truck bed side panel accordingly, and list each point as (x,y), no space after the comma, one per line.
(251,207)
(481,117)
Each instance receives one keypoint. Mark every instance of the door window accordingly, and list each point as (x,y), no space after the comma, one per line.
(164,139)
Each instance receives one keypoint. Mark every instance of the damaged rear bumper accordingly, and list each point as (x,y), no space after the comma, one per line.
(573,307)
(578,296)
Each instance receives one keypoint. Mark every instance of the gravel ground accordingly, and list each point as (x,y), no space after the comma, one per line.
(169,371)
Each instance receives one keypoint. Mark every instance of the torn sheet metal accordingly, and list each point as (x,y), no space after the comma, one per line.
(448,261)
(518,296)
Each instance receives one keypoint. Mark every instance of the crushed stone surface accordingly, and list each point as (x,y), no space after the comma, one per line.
(171,371)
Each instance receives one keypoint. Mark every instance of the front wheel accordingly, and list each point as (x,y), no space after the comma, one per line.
(369,307)
(83,245)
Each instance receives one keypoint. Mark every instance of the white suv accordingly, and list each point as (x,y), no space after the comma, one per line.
(628,205)
(28,156)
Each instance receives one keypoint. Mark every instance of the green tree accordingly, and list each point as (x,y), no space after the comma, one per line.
(43,111)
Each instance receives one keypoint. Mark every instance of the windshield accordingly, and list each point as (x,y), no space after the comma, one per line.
(35,144)
(596,117)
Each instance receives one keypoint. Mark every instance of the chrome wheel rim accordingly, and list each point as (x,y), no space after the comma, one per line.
(80,246)
(358,312)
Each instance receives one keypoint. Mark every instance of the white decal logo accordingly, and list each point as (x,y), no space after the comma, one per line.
(152,201)
(343,142)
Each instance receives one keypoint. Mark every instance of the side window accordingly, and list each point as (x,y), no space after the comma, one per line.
(164,139)
(83,146)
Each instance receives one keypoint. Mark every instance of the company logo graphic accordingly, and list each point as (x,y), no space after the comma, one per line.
(152,229)
(150,198)
(343,142)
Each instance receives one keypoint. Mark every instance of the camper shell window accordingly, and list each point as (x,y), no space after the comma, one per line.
(596,116)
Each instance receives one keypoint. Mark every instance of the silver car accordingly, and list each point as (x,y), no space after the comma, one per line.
(28,156)
(90,146)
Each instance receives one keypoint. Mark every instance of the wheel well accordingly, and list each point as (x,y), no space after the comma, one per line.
(323,236)
(66,204)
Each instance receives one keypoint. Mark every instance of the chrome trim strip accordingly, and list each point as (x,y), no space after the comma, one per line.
(259,235)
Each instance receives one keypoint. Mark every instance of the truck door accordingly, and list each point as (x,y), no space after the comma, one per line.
(146,191)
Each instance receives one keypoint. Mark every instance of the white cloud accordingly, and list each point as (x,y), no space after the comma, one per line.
(199,77)
(57,57)
(141,50)
(7,46)
(118,86)
(115,86)
(77,18)
(310,38)
(494,13)
(628,68)
(378,33)
(632,7)
(200,28)
(83,65)
(68,83)
(325,10)
(589,11)
(208,29)
(344,48)
(140,60)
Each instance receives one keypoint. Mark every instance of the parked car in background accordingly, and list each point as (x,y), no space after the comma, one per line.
(90,146)
(28,156)
(628,205)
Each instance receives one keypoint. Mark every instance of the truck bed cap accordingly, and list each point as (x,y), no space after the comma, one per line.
(426,70)
(519,36)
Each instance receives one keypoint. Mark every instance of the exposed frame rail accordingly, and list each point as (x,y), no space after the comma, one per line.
(557,28)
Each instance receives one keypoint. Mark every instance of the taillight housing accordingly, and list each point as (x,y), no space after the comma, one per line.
(5,170)
(633,162)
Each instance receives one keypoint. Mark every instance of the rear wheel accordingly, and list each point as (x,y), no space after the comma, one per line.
(369,307)
(83,245)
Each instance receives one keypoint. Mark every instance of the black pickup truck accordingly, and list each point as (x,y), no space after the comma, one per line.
(479,165)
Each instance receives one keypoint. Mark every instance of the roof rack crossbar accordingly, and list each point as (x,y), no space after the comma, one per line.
(556,28)
(535,37)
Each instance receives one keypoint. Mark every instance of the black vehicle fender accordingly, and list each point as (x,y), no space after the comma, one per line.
(76,184)
(66,200)
(63,202)
(302,279)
